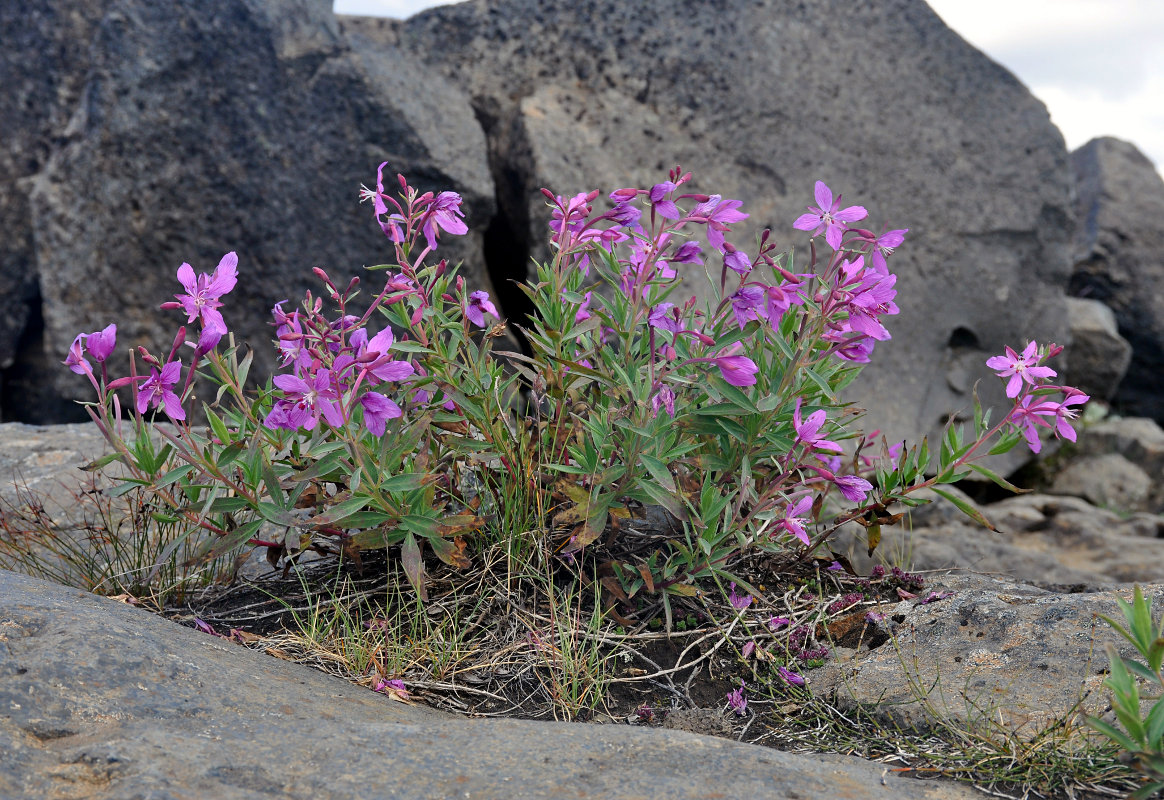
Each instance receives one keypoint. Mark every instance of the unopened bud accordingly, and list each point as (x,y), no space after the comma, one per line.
(403,183)
(442,266)
(322,276)
(460,284)
(699,198)
(448,298)
(623,195)
(352,284)
(592,196)
(550,195)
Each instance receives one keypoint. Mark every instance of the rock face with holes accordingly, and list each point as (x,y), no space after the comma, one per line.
(881,101)
(101,700)
(1120,259)
(186,131)
(990,653)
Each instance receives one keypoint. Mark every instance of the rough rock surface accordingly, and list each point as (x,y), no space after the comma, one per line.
(882,101)
(993,652)
(1109,480)
(1120,259)
(45,459)
(1098,356)
(209,127)
(100,700)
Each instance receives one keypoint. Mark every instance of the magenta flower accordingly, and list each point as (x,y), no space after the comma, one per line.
(664,398)
(736,260)
(749,303)
(101,343)
(853,488)
(75,359)
(583,312)
(202,292)
(717,213)
(1064,415)
(665,316)
(158,389)
(883,246)
(378,409)
(737,370)
(828,217)
(478,306)
(736,700)
(383,368)
(872,300)
(796,518)
(664,207)
(1027,416)
(445,213)
(808,431)
(780,299)
(738,602)
(388,226)
(304,402)
(688,253)
(1021,369)
(776,623)
(790,677)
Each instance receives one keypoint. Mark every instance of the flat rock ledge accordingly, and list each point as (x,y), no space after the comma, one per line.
(990,652)
(102,700)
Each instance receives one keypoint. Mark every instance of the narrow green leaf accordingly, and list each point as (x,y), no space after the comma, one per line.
(339,512)
(659,472)
(966,508)
(413,563)
(1001,481)
(1113,733)
(215,548)
(102,462)
(174,475)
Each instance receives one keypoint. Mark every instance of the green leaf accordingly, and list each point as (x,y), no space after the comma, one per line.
(102,462)
(1113,733)
(1155,721)
(225,505)
(275,513)
(230,454)
(658,471)
(666,499)
(339,512)
(217,425)
(966,509)
(124,488)
(410,557)
(1001,481)
(406,482)
(174,475)
(215,548)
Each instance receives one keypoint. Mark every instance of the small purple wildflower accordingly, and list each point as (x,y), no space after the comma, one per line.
(1020,368)
(828,217)
(776,623)
(790,677)
(737,702)
(739,602)
(202,292)
(478,306)
(158,389)
(736,369)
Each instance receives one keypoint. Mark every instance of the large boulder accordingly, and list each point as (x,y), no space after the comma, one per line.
(990,653)
(215,126)
(1120,259)
(880,100)
(100,700)
(42,68)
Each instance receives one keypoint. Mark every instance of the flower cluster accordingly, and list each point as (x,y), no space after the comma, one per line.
(1026,384)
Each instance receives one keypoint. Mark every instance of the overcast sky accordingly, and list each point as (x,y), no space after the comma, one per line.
(1097,64)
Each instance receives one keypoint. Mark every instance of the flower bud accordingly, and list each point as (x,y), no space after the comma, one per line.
(623,195)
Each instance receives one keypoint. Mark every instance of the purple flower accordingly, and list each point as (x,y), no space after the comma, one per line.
(736,260)
(749,302)
(808,431)
(158,389)
(394,687)
(445,213)
(1064,415)
(884,246)
(790,677)
(378,409)
(389,226)
(717,213)
(478,306)
(583,312)
(1019,368)
(202,292)
(737,370)
(664,398)
(384,369)
(835,567)
(780,299)
(796,517)
(776,623)
(828,217)
(737,702)
(688,253)
(738,602)
(75,359)
(666,317)
(1027,418)
(101,343)
(304,402)
(663,206)
(873,299)
(854,489)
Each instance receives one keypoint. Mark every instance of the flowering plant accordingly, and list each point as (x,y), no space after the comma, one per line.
(402,425)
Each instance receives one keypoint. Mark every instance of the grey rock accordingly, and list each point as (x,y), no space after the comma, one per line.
(1109,480)
(1138,439)
(760,99)
(249,126)
(102,700)
(45,460)
(1098,356)
(994,653)
(1120,259)
(1042,540)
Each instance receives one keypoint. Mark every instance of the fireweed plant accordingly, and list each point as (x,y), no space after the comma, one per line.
(402,425)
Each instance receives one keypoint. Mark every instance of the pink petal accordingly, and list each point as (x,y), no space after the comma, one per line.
(823,195)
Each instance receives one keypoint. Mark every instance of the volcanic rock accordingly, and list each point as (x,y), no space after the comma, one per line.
(1098,356)
(1120,259)
(101,700)
(210,127)
(760,99)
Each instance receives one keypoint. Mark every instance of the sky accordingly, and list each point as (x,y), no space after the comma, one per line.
(1098,65)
